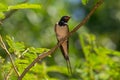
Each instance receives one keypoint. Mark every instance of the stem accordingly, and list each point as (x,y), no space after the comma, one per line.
(11,60)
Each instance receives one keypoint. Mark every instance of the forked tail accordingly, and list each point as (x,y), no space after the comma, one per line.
(69,66)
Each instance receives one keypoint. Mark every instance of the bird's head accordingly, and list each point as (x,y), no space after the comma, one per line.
(65,19)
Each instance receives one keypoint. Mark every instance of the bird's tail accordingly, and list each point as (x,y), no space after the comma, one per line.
(69,66)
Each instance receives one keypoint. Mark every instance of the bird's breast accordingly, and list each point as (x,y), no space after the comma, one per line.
(61,31)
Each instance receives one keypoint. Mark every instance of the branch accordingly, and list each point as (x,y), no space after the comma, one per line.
(5,48)
(45,54)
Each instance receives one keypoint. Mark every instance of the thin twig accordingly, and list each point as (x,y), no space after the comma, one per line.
(8,74)
(0,22)
(12,62)
(54,48)
(24,52)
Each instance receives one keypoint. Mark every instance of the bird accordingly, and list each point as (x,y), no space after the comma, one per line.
(62,30)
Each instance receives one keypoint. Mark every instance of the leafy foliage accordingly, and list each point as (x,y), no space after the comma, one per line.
(4,7)
(25,6)
(2,16)
(98,62)
(23,57)
(16,47)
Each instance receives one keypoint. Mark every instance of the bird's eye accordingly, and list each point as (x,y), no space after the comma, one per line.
(66,18)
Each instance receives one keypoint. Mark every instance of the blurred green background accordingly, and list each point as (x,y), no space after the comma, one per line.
(35,27)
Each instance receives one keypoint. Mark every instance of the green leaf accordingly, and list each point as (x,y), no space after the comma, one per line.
(3,7)
(16,47)
(30,56)
(38,50)
(25,6)
(84,2)
(1,60)
(57,69)
(2,15)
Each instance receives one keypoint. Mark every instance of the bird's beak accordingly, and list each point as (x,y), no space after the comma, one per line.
(67,18)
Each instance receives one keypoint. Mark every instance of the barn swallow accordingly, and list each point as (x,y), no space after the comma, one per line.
(61,30)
